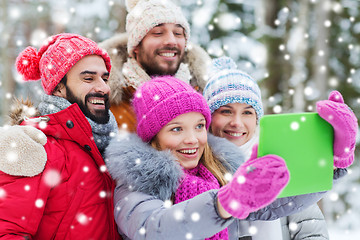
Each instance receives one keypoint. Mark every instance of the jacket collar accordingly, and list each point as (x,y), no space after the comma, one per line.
(69,124)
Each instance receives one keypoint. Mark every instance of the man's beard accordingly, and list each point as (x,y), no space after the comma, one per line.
(102,116)
(153,69)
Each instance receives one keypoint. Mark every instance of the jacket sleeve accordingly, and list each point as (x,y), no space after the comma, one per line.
(22,204)
(308,224)
(142,216)
(23,198)
(283,207)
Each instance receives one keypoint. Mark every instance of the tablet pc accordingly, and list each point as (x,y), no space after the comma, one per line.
(305,142)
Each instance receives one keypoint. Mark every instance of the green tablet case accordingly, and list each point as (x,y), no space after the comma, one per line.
(305,142)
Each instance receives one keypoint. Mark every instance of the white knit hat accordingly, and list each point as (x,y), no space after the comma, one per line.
(143,15)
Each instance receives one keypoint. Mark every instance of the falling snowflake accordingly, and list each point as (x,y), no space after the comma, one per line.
(334,196)
(11,156)
(103,168)
(294,126)
(138,161)
(189,236)
(52,178)
(253,230)
(39,203)
(277,109)
(234,205)
(142,231)
(2,193)
(42,125)
(102,194)
(82,219)
(195,216)
(167,203)
(322,163)
(241,179)
(293,226)
(228,176)
(178,215)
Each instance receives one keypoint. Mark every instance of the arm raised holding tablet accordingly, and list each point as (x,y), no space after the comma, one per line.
(312,144)
(345,125)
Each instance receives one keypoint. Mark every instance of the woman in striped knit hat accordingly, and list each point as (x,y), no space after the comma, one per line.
(234,99)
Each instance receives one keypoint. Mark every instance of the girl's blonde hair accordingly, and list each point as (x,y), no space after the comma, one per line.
(208,159)
(213,164)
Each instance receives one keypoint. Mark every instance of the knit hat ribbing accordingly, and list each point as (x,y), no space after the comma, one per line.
(55,58)
(143,15)
(227,85)
(162,99)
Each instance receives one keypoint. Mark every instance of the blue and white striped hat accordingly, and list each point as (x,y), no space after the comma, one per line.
(227,84)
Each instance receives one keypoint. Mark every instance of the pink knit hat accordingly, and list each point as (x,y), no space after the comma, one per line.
(162,99)
(55,58)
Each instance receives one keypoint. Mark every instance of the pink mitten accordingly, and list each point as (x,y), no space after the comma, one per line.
(255,184)
(345,125)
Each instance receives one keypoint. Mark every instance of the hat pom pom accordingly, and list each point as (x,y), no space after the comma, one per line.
(223,63)
(130,4)
(27,64)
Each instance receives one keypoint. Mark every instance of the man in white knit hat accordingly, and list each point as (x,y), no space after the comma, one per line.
(156,42)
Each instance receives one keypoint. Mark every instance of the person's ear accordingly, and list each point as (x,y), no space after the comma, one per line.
(135,51)
(60,90)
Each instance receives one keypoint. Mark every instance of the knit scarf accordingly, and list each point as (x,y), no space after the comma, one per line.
(102,132)
(196,181)
(135,75)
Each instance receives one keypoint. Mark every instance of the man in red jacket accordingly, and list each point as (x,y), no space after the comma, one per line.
(61,190)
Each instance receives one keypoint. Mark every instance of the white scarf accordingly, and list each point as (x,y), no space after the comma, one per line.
(135,75)
(269,230)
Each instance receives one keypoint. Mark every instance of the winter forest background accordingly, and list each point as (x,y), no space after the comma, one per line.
(298,51)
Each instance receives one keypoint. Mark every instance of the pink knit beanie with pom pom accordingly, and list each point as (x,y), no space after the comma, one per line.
(55,58)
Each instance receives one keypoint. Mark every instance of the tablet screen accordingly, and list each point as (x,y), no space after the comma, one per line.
(305,142)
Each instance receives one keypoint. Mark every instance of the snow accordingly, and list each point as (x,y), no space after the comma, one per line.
(338,234)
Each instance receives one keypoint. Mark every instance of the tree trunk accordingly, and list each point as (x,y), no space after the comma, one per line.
(275,59)
(299,58)
(7,82)
(320,62)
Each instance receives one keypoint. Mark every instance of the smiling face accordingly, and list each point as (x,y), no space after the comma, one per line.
(87,85)
(235,121)
(162,49)
(185,136)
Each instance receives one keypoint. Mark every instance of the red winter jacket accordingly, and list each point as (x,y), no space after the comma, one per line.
(80,206)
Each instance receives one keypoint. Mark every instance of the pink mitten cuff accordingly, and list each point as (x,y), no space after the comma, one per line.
(345,125)
(255,184)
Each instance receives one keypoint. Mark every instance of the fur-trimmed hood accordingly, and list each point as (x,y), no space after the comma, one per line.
(20,110)
(140,167)
(22,150)
(196,59)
